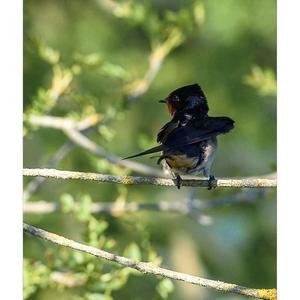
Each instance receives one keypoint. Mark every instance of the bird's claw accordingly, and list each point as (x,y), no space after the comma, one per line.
(211,180)
(178,181)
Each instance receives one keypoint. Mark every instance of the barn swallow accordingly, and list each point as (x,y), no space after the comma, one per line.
(188,143)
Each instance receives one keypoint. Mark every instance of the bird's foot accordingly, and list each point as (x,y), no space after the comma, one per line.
(211,180)
(178,181)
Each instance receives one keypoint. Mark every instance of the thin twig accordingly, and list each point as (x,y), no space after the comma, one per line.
(148,268)
(64,123)
(68,279)
(140,86)
(108,5)
(154,67)
(156,58)
(119,208)
(190,207)
(84,142)
(85,125)
(224,183)
(71,129)
(58,156)
(114,208)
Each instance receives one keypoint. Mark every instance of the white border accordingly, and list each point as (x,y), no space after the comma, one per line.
(288,149)
(11,149)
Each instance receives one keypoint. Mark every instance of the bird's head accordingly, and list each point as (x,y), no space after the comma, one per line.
(187,98)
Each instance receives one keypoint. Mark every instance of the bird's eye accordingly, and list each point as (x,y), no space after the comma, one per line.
(175,99)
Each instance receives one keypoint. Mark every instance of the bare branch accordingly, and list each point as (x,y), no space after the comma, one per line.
(65,123)
(87,144)
(156,58)
(68,279)
(130,180)
(159,52)
(189,207)
(119,208)
(71,129)
(148,268)
(36,182)
(108,5)
(113,208)
(85,125)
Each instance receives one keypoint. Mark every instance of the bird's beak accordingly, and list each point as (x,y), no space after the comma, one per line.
(162,101)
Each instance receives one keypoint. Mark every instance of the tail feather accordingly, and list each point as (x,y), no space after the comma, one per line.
(149,151)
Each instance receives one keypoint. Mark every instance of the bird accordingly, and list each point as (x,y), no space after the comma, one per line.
(188,142)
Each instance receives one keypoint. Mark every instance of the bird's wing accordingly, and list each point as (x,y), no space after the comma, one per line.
(193,132)
(166,130)
(163,134)
(180,119)
(198,130)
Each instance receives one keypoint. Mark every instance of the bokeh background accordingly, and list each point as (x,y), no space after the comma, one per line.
(109,63)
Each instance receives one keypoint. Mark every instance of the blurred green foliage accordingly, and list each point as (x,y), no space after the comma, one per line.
(116,60)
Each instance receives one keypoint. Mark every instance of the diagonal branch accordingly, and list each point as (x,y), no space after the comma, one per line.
(72,130)
(84,142)
(58,156)
(130,180)
(84,125)
(148,268)
(159,52)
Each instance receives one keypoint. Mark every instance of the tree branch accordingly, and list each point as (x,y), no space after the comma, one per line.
(148,268)
(84,142)
(113,208)
(189,206)
(154,67)
(85,125)
(130,180)
(157,56)
(71,129)
(57,157)
(116,208)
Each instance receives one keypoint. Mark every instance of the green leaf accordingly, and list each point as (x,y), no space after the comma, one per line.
(98,226)
(35,276)
(263,80)
(90,60)
(133,252)
(107,133)
(114,70)
(78,257)
(48,54)
(110,244)
(154,258)
(67,203)
(118,279)
(84,209)
(94,296)
(199,13)
(165,287)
